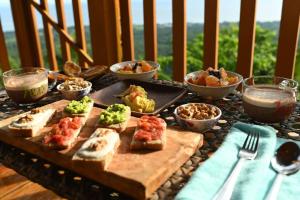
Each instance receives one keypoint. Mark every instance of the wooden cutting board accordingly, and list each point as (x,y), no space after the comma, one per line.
(136,173)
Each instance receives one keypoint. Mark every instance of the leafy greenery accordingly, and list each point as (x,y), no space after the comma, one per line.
(264,55)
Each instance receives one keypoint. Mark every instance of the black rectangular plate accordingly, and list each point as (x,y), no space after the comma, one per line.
(163,95)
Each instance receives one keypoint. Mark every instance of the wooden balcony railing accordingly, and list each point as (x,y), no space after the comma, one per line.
(113,40)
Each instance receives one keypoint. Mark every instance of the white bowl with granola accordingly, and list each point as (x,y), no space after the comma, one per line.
(199,117)
(74,88)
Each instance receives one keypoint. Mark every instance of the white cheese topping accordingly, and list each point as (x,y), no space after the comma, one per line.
(110,138)
(39,119)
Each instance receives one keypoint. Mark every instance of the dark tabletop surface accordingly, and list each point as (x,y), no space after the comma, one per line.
(71,185)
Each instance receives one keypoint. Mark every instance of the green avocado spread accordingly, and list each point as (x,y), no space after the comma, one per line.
(78,107)
(114,114)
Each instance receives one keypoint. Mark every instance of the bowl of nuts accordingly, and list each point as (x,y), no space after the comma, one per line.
(198,117)
(74,88)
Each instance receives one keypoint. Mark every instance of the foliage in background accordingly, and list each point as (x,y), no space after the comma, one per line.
(264,56)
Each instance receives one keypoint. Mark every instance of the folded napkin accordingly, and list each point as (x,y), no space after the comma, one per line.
(256,176)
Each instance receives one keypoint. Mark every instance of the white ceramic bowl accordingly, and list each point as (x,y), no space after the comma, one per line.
(75,94)
(209,92)
(143,76)
(197,125)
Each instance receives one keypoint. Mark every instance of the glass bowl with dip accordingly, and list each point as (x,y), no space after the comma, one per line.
(269,99)
(26,85)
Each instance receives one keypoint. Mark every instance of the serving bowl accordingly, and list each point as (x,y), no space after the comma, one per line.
(197,125)
(74,94)
(211,92)
(142,76)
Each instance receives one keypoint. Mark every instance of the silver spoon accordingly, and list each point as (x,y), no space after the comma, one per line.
(285,165)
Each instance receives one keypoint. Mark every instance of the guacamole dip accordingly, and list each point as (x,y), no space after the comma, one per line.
(114,114)
(78,107)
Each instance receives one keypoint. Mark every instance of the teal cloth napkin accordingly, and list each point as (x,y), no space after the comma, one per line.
(256,176)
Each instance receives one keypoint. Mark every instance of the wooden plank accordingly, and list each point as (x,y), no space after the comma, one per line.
(105,31)
(246,38)
(179,39)
(80,32)
(127,30)
(131,172)
(27,34)
(211,33)
(65,48)
(31,190)
(63,33)
(150,30)
(49,38)
(10,181)
(288,39)
(4,61)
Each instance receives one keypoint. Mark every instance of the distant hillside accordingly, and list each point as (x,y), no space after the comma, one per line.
(164,39)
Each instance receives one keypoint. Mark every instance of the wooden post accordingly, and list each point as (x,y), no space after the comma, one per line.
(65,47)
(150,30)
(27,34)
(246,38)
(288,39)
(105,31)
(49,38)
(127,30)
(80,32)
(4,62)
(211,33)
(179,39)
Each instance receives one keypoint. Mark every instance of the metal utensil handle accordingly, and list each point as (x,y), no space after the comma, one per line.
(226,190)
(272,195)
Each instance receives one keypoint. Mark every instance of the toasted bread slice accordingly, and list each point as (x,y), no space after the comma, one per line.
(85,115)
(152,144)
(119,127)
(98,150)
(32,129)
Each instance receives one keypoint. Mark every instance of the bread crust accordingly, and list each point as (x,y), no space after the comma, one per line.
(151,145)
(98,163)
(30,132)
(120,127)
(71,141)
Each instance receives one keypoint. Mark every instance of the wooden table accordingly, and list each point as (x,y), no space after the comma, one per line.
(71,185)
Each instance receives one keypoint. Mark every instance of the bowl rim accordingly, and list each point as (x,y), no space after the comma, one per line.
(134,74)
(59,89)
(199,120)
(225,86)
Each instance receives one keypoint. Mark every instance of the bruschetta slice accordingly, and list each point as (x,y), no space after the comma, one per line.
(81,108)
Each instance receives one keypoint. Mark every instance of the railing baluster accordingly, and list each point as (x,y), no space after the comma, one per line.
(127,30)
(4,62)
(49,38)
(27,34)
(288,39)
(105,31)
(150,30)
(65,48)
(246,38)
(211,33)
(62,32)
(179,39)
(79,28)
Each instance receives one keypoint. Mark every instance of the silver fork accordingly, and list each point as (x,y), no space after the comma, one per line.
(247,152)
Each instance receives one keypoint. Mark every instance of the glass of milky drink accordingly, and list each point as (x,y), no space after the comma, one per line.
(27,85)
(269,99)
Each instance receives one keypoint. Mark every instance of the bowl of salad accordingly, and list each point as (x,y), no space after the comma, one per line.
(138,70)
(213,83)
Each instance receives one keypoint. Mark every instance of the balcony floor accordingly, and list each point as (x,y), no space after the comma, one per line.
(17,187)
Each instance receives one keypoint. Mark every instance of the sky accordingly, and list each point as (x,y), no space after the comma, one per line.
(267,10)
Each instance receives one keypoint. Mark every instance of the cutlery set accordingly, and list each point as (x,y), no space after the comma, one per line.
(285,162)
